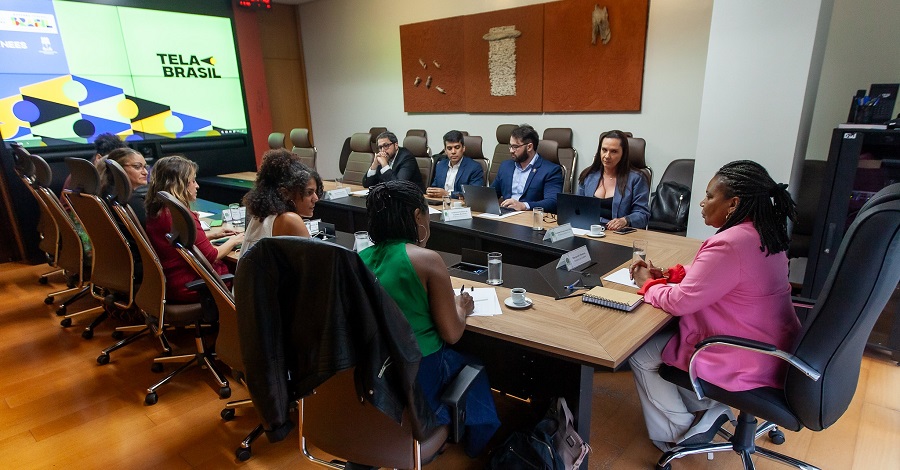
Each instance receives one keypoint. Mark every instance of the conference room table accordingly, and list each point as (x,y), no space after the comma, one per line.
(553,347)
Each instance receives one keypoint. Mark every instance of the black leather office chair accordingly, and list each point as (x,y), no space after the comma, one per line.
(668,213)
(824,365)
(312,311)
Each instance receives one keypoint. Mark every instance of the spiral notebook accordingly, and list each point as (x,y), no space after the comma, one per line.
(612,298)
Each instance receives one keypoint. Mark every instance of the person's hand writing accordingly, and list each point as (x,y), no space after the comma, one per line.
(513,204)
(617,224)
(465,303)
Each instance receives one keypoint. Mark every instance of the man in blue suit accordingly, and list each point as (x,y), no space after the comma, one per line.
(455,170)
(527,180)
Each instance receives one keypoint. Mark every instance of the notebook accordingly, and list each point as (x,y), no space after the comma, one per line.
(612,298)
(484,199)
(580,211)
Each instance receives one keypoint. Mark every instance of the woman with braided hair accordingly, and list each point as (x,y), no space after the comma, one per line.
(285,192)
(737,285)
(417,279)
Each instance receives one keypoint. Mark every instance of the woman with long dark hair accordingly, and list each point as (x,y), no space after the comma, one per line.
(624,193)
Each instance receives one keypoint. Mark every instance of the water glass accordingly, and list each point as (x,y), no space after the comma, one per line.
(362,241)
(445,202)
(495,269)
(639,251)
(339,182)
(235,210)
(538,221)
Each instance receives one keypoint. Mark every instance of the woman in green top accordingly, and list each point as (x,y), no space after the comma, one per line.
(416,278)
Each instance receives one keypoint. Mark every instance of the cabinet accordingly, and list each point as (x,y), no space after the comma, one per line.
(860,162)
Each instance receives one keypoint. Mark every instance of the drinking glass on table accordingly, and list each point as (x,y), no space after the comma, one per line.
(495,269)
(639,251)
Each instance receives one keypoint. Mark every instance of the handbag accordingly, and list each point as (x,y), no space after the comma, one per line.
(669,208)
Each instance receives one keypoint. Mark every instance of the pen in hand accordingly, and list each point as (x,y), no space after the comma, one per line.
(461,289)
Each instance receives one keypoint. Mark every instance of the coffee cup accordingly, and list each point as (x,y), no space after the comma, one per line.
(518,296)
(457,204)
(597,230)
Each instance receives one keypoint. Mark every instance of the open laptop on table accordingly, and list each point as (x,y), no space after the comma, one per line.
(580,211)
(484,199)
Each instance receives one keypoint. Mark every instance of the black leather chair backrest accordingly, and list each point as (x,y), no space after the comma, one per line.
(345,155)
(888,193)
(864,275)
(680,171)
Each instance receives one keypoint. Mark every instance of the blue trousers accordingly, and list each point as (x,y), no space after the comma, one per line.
(438,369)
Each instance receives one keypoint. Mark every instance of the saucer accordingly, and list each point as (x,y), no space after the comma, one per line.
(509,303)
(596,236)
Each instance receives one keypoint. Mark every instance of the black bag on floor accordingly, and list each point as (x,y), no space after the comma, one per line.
(553,444)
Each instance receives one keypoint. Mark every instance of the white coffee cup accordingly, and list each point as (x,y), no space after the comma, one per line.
(597,230)
(457,204)
(518,295)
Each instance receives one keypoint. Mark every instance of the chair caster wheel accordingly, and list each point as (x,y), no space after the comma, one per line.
(117,335)
(103,359)
(225,392)
(43,281)
(776,436)
(49,300)
(156,367)
(87,334)
(61,312)
(243,454)
(66,322)
(151,399)
(227,414)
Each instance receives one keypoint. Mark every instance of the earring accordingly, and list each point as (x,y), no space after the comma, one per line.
(423,239)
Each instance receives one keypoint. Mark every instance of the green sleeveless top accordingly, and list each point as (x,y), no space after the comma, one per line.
(391,265)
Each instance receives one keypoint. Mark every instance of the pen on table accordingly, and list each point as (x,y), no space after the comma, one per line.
(461,289)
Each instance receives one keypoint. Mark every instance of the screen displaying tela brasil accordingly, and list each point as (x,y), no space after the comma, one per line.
(72,71)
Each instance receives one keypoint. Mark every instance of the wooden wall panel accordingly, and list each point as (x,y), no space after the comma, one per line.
(529,56)
(437,41)
(579,76)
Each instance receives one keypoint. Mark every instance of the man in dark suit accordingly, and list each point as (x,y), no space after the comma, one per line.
(455,170)
(392,162)
(527,180)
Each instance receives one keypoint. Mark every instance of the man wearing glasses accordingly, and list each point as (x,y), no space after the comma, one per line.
(527,180)
(392,162)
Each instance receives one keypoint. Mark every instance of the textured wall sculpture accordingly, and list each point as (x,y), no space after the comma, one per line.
(502,59)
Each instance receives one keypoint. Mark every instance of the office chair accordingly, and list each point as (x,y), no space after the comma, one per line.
(113,266)
(418,147)
(276,140)
(303,148)
(182,236)
(549,150)
(70,253)
(474,144)
(374,132)
(360,158)
(825,361)
(567,156)
(312,311)
(501,150)
(418,132)
(665,215)
(637,148)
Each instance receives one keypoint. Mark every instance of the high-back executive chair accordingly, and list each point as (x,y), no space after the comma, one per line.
(113,280)
(418,147)
(48,233)
(276,140)
(549,150)
(70,253)
(474,150)
(501,150)
(637,148)
(567,156)
(679,171)
(182,236)
(824,365)
(360,158)
(303,148)
(312,311)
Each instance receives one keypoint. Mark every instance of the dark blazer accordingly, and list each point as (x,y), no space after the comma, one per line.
(404,167)
(634,205)
(544,182)
(469,173)
(311,308)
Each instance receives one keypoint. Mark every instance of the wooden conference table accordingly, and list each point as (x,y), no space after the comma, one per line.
(552,348)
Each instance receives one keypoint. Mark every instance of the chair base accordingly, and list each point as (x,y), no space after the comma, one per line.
(743,446)
(202,358)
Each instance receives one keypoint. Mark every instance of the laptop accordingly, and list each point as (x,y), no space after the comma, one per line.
(484,199)
(580,211)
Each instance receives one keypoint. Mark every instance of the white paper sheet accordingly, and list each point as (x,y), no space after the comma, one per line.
(495,216)
(204,215)
(432,210)
(486,302)
(621,276)
(360,193)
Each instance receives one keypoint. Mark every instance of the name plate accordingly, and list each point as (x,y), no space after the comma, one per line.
(559,233)
(459,213)
(574,259)
(313,226)
(336,194)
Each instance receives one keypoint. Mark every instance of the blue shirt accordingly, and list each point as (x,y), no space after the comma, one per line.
(520,177)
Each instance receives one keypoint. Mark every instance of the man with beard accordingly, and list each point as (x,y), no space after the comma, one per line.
(527,180)
(392,162)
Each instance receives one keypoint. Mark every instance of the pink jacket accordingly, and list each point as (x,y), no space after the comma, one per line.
(731,288)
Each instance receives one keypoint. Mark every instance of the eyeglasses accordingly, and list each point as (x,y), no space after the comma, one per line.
(385,146)
(138,166)
(515,147)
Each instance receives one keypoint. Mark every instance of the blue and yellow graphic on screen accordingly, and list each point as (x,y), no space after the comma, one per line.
(72,71)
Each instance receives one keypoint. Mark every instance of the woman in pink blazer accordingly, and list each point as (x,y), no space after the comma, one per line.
(737,285)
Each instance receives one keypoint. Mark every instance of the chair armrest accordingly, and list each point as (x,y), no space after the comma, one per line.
(195,285)
(749,345)
(454,397)
(803,302)
(226,277)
